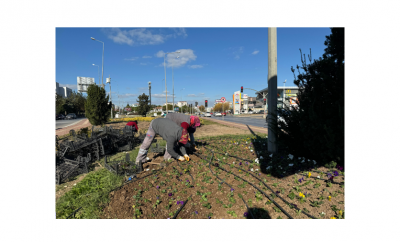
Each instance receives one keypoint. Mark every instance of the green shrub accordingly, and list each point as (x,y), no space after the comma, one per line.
(316,129)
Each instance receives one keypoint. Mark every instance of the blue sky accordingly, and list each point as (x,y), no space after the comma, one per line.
(213,63)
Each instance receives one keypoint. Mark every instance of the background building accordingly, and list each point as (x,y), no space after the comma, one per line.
(287,96)
(63,91)
(181,103)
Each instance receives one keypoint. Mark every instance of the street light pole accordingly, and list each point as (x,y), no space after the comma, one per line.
(98,72)
(150,92)
(102,66)
(173,94)
(165,74)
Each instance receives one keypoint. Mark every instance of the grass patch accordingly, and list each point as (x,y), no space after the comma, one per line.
(91,194)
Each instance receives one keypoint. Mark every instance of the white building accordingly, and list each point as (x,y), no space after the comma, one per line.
(63,91)
(182,103)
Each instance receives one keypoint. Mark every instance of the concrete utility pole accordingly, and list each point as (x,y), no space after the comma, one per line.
(272,90)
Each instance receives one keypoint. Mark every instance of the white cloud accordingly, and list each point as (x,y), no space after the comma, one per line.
(143,64)
(185,56)
(131,59)
(71,86)
(161,96)
(255,52)
(191,95)
(195,66)
(141,36)
(146,57)
(237,51)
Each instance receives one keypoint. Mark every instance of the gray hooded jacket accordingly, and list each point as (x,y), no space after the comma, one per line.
(171,133)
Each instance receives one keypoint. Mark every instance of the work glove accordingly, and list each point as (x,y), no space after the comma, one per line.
(187,157)
(195,148)
(181,158)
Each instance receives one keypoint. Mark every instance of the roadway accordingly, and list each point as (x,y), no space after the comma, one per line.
(258,120)
(67,122)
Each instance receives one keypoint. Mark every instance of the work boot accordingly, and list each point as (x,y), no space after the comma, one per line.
(139,166)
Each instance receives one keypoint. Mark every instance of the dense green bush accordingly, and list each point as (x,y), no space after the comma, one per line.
(316,128)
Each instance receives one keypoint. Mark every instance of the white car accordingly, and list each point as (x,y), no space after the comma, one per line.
(250,112)
(217,114)
(208,114)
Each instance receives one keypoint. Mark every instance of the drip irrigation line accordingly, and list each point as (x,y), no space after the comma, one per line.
(253,162)
(339,183)
(74,212)
(223,182)
(260,191)
(176,214)
(276,193)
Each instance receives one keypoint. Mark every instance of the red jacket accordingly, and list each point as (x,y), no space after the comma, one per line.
(131,123)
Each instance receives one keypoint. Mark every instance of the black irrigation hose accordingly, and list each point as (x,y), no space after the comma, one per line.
(176,214)
(223,182)
(276,193)
(260,191)
(74,212)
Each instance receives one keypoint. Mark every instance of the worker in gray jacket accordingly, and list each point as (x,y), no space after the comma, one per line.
(193,121)
(176,137)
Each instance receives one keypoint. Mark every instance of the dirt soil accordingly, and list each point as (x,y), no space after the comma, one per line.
(208,200)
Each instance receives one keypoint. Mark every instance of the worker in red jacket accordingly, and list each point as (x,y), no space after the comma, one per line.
(193,122)
(134,124)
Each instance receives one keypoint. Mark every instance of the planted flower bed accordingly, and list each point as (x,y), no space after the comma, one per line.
(232,177)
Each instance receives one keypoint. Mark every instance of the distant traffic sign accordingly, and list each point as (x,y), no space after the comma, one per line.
(223,99)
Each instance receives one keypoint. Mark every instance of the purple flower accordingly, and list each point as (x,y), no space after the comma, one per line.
(277,192)
(209,217)
(329,175)
(232,189)
(335,173)
(240,163)
(300,180)
(187,180)
(247,163)
(168,218)
(181,173)
(158,197)
(170,194)
(158,187)
(259,173)
(196,212)
(245,214)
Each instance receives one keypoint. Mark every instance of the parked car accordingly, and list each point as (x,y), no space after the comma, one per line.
(217,114)
(208,114)
(223,114)
(250,112)
(202,115)
(71,116)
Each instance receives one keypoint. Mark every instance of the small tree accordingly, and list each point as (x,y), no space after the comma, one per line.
(202,108)
(144,104)
(97,109)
